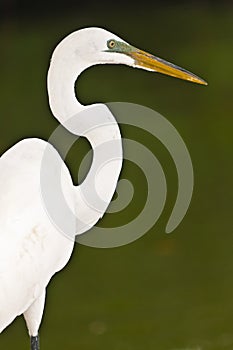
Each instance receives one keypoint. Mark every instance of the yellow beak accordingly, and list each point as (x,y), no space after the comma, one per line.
(147,61)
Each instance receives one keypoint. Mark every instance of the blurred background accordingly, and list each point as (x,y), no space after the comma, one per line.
(165,292)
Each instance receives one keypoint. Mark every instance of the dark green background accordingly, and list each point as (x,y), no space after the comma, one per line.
(165,292)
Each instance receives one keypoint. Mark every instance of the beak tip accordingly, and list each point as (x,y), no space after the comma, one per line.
(204,83)
(198,80)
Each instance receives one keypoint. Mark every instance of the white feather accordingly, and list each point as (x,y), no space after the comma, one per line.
(32,248)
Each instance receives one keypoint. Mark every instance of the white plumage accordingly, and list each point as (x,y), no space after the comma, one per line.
(32,248)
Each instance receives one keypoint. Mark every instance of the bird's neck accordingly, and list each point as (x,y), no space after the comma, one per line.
(61,89)
(99,126)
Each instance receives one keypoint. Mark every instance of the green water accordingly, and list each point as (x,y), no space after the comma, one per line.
(165,292)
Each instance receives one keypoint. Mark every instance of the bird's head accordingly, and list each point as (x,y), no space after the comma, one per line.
(99,46)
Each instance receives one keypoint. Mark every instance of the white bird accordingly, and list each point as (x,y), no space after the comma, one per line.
(32,248)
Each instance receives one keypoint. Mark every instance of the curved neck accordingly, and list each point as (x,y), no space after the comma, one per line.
(61,89)
(99,126)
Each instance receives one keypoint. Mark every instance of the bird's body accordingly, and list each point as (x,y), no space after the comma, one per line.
(36,249)
(32,246)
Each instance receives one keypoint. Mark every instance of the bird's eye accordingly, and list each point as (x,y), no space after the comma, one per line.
(111,44)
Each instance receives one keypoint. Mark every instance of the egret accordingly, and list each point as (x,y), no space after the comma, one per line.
(32,249)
